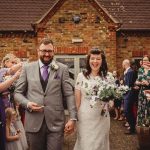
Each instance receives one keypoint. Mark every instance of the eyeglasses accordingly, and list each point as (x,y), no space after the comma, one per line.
(44,51)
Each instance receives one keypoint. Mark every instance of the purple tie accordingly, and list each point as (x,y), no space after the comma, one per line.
(45,72)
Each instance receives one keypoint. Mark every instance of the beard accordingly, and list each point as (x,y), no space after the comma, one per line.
(46,62)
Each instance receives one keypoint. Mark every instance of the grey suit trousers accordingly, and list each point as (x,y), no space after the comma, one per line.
(47,140)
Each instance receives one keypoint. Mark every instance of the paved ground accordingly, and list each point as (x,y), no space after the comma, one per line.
(118,140)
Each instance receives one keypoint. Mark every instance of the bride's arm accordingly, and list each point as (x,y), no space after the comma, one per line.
(78,98)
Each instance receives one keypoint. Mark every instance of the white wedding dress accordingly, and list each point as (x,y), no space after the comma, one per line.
(92,127)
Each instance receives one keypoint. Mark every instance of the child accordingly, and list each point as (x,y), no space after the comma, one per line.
(12,135)
(19,126)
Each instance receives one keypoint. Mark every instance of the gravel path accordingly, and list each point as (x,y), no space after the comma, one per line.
(118,140)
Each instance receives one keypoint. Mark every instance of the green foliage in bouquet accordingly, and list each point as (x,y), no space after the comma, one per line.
(104,89)
(108,93)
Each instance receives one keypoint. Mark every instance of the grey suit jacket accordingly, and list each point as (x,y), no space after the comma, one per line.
(29,88)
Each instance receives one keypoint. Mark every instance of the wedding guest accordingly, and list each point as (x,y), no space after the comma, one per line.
(129,97)
(136,89)
(143,81)
(10,61)
(4,85)
(19,127)
(12,135)
(8,64)
(92,128)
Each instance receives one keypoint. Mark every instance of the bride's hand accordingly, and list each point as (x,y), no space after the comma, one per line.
(111,103)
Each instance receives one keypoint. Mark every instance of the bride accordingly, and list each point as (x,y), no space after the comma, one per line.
(92,127)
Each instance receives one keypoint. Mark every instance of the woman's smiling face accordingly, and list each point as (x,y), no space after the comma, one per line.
(95,62)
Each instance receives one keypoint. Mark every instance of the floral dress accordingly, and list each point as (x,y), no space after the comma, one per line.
(92,127)
(143,115)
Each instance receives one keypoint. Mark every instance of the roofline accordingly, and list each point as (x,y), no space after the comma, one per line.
(31,31)
(107,13)
(42,18)
(61,1)
(120,29)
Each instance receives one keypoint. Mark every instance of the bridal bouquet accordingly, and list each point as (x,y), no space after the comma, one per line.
(104,90)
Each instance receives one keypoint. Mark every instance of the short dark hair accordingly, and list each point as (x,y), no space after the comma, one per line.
(46,41)
(103,68)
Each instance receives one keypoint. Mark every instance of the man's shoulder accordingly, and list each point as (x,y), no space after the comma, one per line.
(130,70)
(61,65)
(31,64)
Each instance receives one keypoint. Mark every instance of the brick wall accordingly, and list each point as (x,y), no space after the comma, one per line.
(93,34)
(18,44)
(62,30)
(132,45)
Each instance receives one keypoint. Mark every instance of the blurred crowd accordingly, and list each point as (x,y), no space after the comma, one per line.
(12,134)
(134,107)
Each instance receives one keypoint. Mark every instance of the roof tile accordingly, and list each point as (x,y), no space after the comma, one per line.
(19,14)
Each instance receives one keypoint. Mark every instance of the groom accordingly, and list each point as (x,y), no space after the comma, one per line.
(40,89)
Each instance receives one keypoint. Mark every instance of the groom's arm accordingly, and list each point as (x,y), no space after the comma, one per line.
(70,99)
(68,94)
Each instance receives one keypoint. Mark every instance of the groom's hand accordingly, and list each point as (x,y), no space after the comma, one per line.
(69,127)
(34,107)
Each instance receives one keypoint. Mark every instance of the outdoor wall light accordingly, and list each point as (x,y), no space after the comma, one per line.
(76,19)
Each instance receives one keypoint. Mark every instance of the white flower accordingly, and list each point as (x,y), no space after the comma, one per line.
(103,89)
(93,100)
(54,66)
(110,76)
